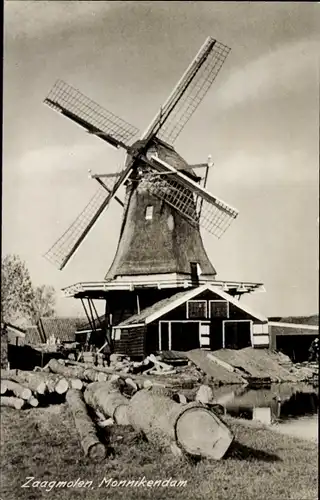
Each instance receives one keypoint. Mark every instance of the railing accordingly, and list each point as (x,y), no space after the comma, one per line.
(239,287)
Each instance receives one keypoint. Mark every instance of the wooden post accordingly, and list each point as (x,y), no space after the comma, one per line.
(108,326)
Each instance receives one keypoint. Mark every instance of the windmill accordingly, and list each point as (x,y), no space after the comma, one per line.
(160,185)
(166,202)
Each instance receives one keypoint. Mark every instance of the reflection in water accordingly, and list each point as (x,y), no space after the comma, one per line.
(290,409)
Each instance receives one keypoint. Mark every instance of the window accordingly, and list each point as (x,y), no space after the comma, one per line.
(197,309)
(116,334)
(149,212)
(219,309)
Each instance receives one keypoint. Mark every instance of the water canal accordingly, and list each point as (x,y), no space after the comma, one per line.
(287,408)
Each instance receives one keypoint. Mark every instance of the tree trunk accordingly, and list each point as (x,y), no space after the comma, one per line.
(90,443)
(12,402)
(193,427)
(18,390)
(106,398)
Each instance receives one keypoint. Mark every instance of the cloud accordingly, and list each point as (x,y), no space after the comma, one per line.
(33,19)
(267,168)
(62,160)
(283,69)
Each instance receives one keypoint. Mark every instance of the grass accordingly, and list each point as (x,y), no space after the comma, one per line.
(43,443)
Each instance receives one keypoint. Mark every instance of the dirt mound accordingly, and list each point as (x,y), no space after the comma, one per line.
(262,363)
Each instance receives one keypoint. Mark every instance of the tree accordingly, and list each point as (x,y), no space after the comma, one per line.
(21,302)
(43,304)
(17,293)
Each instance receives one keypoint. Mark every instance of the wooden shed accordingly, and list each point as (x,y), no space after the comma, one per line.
(293,339)
(204,317)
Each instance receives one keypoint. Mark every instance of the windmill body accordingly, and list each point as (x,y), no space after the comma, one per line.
(160,251)
(156,240)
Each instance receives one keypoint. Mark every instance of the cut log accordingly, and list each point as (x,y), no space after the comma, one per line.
(90,443)
(69,372)
(32,401)
(18,390)
(3,386)
(12,402)
(101,377)
(80,372)
(106,398)
(147,384)
(75,383)
(55,383)
(61,386)
(32,380)
(193,427)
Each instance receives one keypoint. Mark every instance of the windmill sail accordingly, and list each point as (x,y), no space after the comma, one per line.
(193,201)
(90,115)
(61,252)
(189,92)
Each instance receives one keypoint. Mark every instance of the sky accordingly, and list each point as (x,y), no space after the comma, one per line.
(259,121)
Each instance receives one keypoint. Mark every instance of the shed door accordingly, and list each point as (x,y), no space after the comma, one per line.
(204,335)
(164,335)
(237,334)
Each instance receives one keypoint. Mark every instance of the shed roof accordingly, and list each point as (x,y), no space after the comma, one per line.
(33,335)
(281,329)
(164,306)
(15,331)
(62,328)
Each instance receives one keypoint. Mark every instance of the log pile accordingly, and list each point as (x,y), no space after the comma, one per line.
(162,415)
(30,386)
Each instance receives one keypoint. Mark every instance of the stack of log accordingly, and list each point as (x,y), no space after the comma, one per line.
(23,388)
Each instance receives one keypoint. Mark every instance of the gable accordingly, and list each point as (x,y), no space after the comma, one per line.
(177,305)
